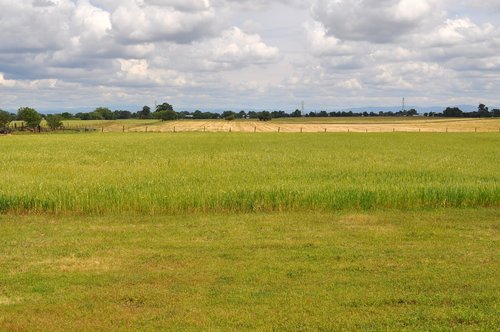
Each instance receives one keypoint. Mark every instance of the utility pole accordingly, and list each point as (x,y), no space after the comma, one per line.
(302,109)
(403,109)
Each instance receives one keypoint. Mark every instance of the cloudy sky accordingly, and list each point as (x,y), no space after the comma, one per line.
(248,54)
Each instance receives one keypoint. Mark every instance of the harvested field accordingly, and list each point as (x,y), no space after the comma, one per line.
(306,125)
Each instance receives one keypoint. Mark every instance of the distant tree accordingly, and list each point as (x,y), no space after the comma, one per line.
(264,116)
(198,114)
(482,111)
(411,112)
(121,114)
(296,114)
(495,112)
(145,113)
(168,115)
(279,114)
(241,115)
(452,112)
(105,112)
(67,116)
(164,107)
(228,115)
(82,116)
(30,116)
(253,115)
(54,121)
(93,116)
(5,118)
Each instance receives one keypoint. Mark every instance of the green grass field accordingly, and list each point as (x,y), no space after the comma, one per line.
(197,172)
(426,270)
(233,231)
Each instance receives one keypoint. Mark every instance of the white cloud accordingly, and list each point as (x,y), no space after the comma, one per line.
(322,45)
(379,21)
(6,83)
(146,21)
(236,48)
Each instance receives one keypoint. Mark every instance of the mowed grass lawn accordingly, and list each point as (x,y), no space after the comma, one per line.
(427,270)
(227,231)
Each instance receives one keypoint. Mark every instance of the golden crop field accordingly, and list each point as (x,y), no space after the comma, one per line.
(383,124)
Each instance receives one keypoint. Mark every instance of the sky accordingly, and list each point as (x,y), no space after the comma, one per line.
(67,55)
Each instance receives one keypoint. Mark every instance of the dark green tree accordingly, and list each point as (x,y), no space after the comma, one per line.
(54,121)
(482,111)
(166,115)
(30,116)
(105,112)
(296,114)
(67,116)
(164,107)
(5,118)
(253,115)
(452,112)
(93,116)
(122,114)
(264,116)
(228,115)
(145,113)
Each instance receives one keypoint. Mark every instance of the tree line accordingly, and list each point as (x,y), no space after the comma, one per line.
(165,112)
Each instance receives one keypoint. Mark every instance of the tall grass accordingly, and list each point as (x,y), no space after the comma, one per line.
(233,172)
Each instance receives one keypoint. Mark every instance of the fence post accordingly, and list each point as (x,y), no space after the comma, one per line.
(475,130)
(123,129)
(325,130)
(255,129)
(102,129)
(146,129)
(279,129)
(229,129)
(174,129)
(301,129)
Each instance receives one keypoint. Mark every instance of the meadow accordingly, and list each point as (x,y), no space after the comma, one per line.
(249,231)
